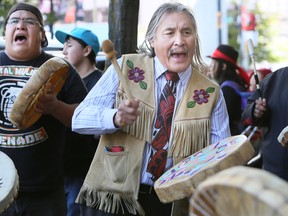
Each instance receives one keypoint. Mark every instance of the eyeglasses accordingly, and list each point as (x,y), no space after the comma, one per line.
(26,21)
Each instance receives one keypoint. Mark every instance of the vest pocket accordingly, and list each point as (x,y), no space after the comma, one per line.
(115,164)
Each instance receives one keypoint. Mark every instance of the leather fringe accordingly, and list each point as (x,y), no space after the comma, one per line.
(191,137)
(142,128)
(109,202)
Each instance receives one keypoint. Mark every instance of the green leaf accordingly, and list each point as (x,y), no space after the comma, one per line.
(210,90)
(130,64)
(191,104)
(143,85)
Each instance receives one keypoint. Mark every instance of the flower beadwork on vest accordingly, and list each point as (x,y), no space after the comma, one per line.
(136,74)
(200,97)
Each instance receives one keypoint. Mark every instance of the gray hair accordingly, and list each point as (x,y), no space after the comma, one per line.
(168,8)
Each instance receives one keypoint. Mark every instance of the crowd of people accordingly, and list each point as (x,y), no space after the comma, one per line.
(100,151)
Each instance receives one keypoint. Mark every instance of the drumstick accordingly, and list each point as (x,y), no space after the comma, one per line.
(108,48)
(252,56)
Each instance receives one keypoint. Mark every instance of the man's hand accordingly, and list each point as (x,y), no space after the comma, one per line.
(260,108)
(47,101)
(127,113)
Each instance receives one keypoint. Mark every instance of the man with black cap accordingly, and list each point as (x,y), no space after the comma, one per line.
(37,151)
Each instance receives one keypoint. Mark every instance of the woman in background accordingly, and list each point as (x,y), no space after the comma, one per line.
(232,79)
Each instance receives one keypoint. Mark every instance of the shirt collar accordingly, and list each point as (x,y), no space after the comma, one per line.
(160,69)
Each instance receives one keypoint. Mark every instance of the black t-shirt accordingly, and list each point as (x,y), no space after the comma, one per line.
(92,79)
(37,152)
(80,148)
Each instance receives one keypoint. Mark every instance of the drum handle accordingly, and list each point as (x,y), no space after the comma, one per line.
(252,132)
(108,48)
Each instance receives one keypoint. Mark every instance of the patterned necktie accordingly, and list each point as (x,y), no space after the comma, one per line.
(163,122)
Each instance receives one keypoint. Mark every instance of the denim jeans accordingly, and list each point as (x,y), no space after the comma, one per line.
(72,187)
(46,203)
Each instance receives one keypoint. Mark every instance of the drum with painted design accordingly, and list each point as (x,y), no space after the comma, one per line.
(182,179)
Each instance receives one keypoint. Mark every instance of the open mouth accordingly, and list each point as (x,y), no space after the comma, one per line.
(177,55)
(20,38)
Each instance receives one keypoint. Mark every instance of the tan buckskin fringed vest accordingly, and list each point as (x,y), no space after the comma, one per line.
(113,178)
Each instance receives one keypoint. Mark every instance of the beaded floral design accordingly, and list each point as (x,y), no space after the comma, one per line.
(136,74)
(200,97)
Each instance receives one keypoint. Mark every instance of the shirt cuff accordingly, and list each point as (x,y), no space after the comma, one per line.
(108,118)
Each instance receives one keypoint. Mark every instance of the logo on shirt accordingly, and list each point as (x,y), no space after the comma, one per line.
(12,80)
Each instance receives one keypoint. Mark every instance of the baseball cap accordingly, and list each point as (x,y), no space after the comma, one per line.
(83,34)
(31,8)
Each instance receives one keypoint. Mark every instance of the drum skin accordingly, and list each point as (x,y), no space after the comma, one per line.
(240,191)
(9,182)
(54,71)
(182,179)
